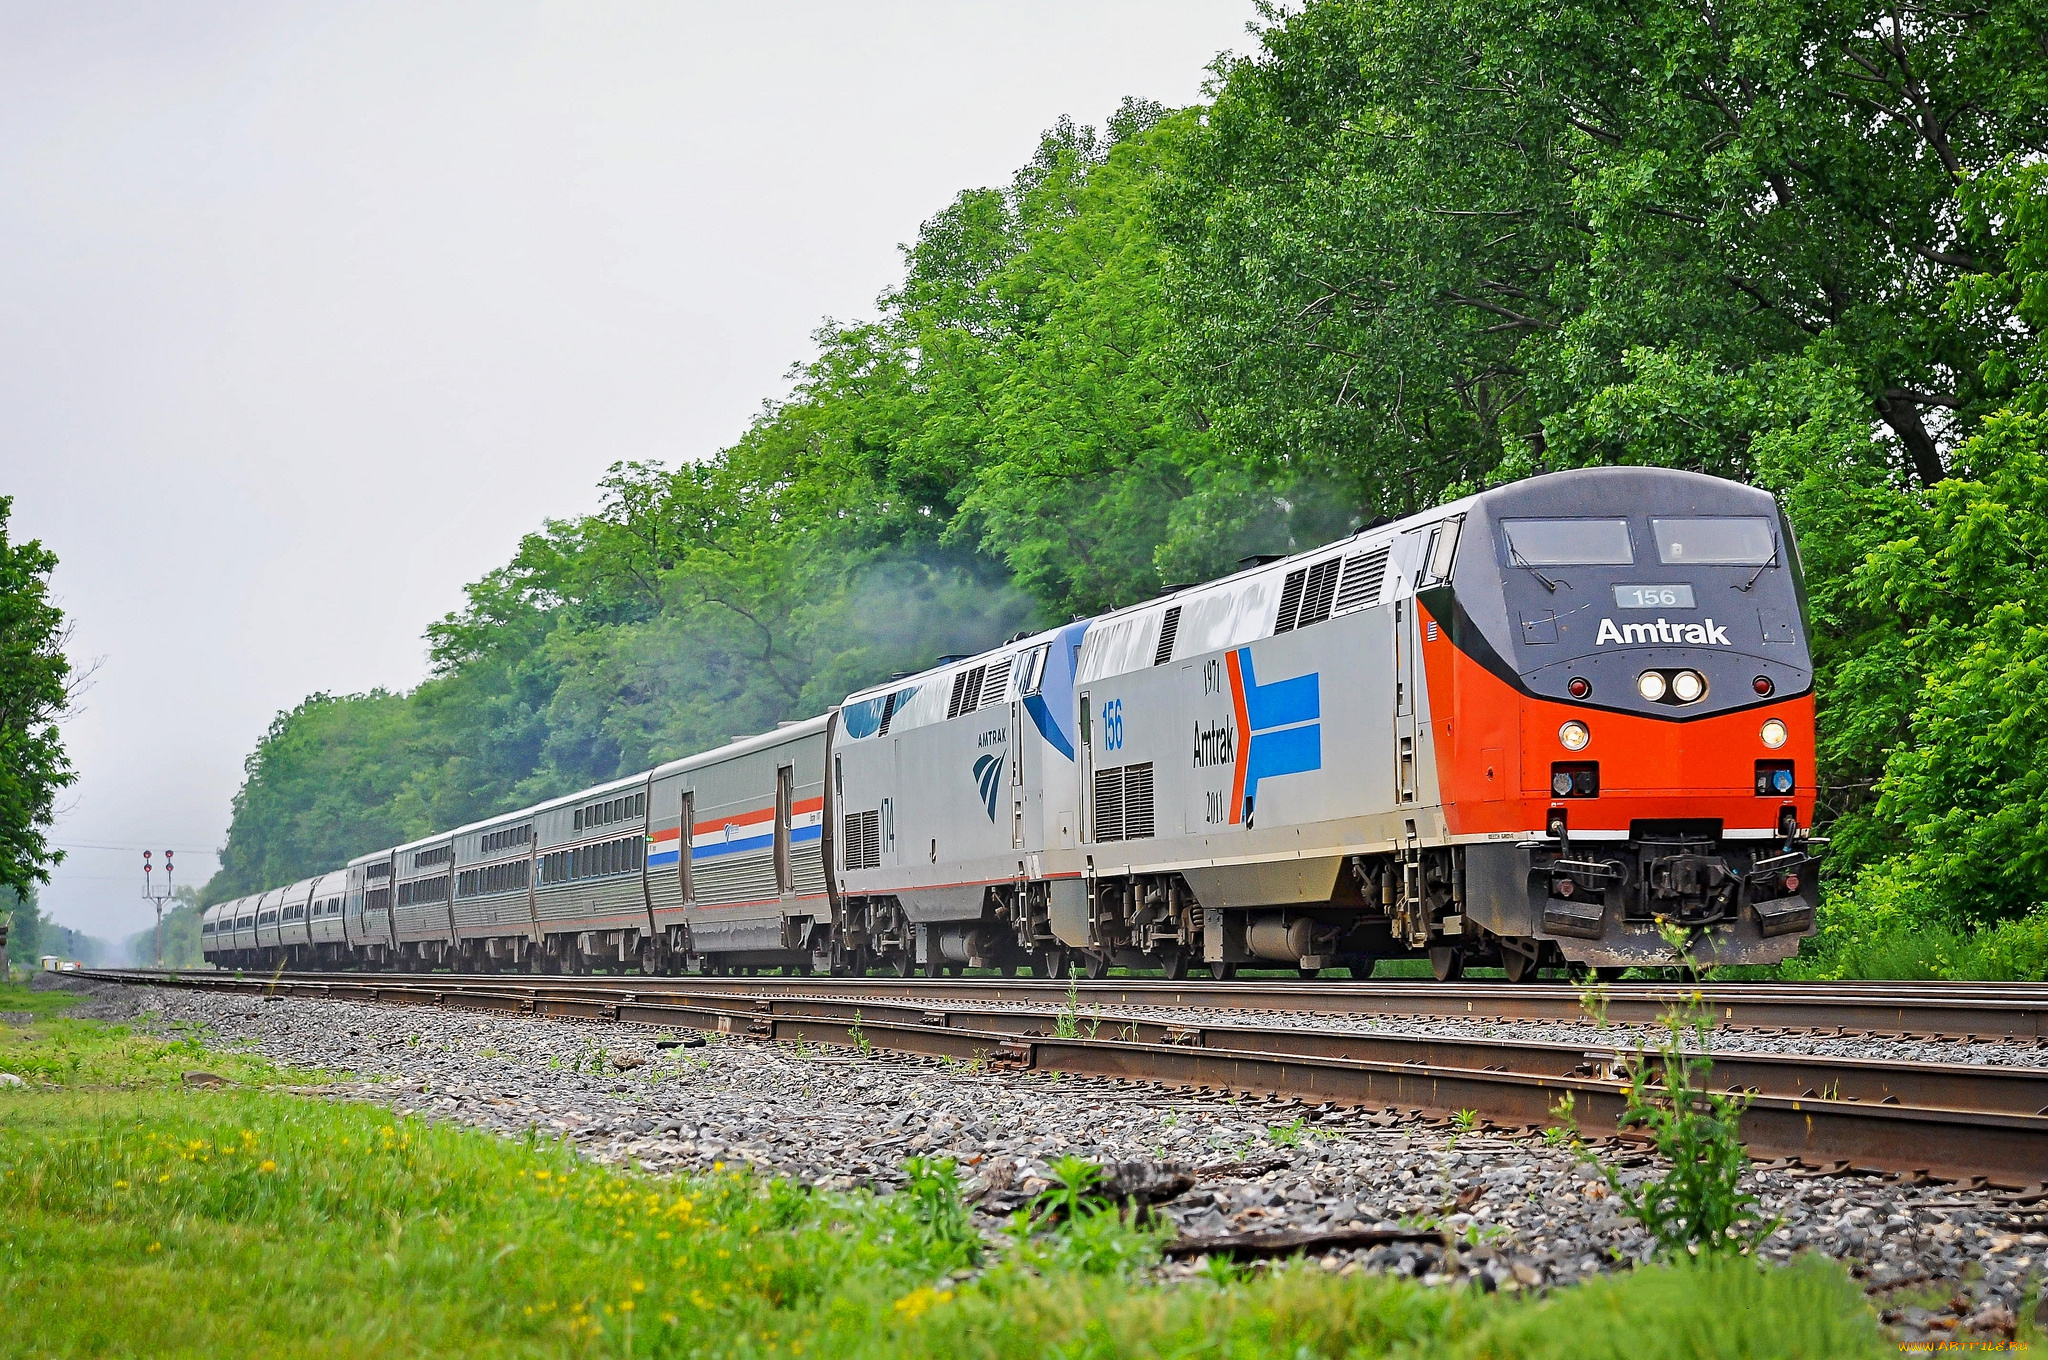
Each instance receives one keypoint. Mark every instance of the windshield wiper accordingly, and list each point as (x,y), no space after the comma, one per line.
(1515,556)
(1769,562)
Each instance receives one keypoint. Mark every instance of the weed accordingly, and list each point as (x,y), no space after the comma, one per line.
(1221,1271)
(1698,1205)
(1074,1193)
(944,1228)
(1463,1120)
(860,1040)
(1479,1234)
(1104,1243)
(1066,1022)
(1593,1000)
(1287,1135)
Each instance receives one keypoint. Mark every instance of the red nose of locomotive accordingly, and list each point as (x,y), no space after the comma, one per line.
(1621,687)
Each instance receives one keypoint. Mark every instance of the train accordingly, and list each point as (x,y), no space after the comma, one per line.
(1564,723)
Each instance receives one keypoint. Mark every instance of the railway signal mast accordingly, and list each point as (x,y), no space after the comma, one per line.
(151,894)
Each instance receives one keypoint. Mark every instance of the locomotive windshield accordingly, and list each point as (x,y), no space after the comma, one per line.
(1727,541)
(1568,542)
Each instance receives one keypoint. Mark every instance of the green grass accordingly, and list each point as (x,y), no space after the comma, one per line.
(141,1217)
(15,996)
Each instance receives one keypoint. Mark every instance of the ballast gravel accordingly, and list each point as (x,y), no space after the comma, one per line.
(1521,1212)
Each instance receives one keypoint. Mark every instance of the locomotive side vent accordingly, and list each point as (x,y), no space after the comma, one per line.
(1138,802)
(863,840)
(1109,804)
(1308,595)
(1290,600)
(1168,631)
(1319,591)
(966,692)
(996,686)
(1363,576)
(1124,803)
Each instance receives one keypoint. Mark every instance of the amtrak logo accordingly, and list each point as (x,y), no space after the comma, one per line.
(1284,721)
(988,772)
(1708,634)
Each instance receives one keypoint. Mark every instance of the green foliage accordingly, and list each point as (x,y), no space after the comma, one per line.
(1074,1193)
(932,1195)
(1697,1204)
(35,690)
(31,934)
(1422,238)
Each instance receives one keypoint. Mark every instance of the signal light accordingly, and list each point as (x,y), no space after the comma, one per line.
(1762,685)
(1774,734)
(1579,687)
(1573,736)
(1562,887)
(1791,883)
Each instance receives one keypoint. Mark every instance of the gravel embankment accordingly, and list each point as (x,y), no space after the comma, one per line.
(1526,1213)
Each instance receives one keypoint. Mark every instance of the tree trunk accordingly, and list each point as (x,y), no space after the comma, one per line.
(1903,416)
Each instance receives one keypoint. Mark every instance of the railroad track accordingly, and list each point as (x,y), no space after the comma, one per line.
(2009,1012)
(1947,1120)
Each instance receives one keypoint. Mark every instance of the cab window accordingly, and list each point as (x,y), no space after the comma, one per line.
(1568,542)
(1725,541)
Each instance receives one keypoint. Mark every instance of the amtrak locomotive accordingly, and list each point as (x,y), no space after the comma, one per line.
(1565,722)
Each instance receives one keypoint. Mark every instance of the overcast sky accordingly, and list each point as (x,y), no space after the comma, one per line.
(310,311)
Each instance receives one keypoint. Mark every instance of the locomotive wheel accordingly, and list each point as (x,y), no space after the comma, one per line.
(1098,966)
(1223,972)
(1051,962)
(903,965)
(1361,969)
(1518,966)
(1310,973)
(1447,962)
(1174,963)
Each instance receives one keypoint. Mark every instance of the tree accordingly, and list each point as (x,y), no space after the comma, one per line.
(1966,786)
(35,690)
(1425,243)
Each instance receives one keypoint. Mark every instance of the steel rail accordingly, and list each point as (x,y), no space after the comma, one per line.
(1951,1120)
(2016,1012)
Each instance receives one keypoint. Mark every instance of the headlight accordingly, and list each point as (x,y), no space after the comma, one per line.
(1687,686)
(1650,684)
(1574,736)
(1774,734)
